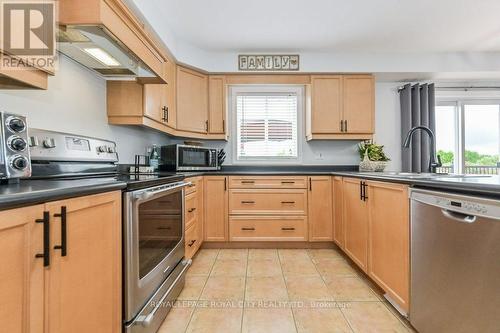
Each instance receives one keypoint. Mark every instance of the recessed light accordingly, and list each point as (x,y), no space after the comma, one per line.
(102,56)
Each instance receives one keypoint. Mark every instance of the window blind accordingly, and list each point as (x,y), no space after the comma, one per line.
(266,125)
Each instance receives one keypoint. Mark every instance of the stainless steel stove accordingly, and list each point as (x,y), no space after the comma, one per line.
(153,221)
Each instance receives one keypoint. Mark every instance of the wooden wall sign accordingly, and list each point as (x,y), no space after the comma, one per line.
(268,62)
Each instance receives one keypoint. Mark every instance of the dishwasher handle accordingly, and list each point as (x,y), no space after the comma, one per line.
(460,217)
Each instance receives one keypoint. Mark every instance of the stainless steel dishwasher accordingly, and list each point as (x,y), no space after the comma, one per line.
(455,263)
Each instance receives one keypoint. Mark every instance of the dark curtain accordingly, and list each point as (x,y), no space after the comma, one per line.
(417,108)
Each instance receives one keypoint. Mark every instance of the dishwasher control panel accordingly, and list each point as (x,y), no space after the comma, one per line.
(463,206)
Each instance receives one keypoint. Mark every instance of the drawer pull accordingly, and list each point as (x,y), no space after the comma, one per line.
(287,182)
(287,229)
(247,229)
(190,210)
(191,243)
(191,185)
(248,181)
(248,202)
(288,202)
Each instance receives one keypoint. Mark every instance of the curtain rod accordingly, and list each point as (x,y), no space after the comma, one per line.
(459,88)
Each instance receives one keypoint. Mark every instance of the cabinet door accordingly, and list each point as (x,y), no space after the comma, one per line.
(355,222)
(389,230)
(320,208)
(217,104)
(192,101)
(84,289)
(216,212)
(169,96)
(359,103)
(338,217)
(153,101)
(326,104)
(21,273)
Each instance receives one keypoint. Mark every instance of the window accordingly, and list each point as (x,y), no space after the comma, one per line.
(266,123)
(468,136)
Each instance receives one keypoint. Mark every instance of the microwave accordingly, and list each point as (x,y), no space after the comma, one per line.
(187,158)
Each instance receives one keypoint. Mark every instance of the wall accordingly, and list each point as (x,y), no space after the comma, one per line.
(76,102)
(388,130)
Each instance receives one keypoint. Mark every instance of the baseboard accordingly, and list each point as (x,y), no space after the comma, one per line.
(269,245)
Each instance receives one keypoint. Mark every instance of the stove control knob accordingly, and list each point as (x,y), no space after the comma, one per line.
(16,124)
(111,150)
(49,143)
(102,149)
(19,162)
(17,144)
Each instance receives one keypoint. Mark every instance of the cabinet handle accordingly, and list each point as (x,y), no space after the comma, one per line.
(64,235)
(248,181)
(310,184)
(288,202)
(206,124)
(365,197)
(248,202)
(190,210)
(287,229)
(191,243)
(166,111)
(225,184)
(345,126)
(287,182)
(360,190)
(247,229)
(163,228)
(223,126)
(46,239)
(342,126)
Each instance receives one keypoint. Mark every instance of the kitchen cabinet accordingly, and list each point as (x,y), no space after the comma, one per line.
(320,208)
(340,107)
(355,209)
(84,284)
(193,216)
(268,202)
(26,78)
(192,101)
(268,228)
(389,235)
(216,209)
(22,273)
(76,286)
(338,212)
(217,110)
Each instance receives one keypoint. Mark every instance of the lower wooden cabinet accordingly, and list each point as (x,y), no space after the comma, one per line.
(77,286)
(193,212)
(22,278)
(388,246)
(216,209)
(320,208)
(338,212)
(268,228)
(355,209)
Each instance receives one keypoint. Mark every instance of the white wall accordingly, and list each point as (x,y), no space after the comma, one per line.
(76,103)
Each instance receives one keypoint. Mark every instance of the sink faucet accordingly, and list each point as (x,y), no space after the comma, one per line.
(434,160)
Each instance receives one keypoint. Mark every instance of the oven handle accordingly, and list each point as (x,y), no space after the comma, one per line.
(162,190)
(146,321)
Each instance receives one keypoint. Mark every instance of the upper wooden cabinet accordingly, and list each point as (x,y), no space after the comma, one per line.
(21,271)
(26,78)
(118,23)
(192,101)
(320,208)
(340,107)
(217,102)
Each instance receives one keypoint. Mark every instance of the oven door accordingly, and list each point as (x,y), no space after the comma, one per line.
(153,241)
(195,158)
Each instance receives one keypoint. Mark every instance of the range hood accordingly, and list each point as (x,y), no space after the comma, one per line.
(94,47)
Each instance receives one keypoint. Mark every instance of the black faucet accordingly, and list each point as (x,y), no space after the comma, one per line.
(434,160)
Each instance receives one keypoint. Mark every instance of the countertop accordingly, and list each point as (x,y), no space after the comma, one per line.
(30,192)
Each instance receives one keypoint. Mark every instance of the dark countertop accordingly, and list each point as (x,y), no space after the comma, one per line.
(31,192)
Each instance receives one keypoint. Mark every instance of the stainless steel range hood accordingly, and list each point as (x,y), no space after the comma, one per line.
(94,47)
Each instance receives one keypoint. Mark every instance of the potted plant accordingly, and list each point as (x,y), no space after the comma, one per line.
(373,157)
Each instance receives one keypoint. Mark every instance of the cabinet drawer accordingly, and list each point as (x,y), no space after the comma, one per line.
(191,209)
(268,202)
(268,228)
(194,186)
(192,241)
(267,182)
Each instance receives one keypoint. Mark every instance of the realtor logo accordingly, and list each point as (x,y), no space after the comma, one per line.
(28,31)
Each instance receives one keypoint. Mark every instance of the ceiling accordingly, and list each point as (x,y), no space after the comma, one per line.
(331,25)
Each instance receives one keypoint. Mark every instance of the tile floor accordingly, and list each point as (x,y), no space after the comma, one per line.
(285,291)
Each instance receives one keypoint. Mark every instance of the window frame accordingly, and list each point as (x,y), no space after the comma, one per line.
(234,90)
(459,104)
